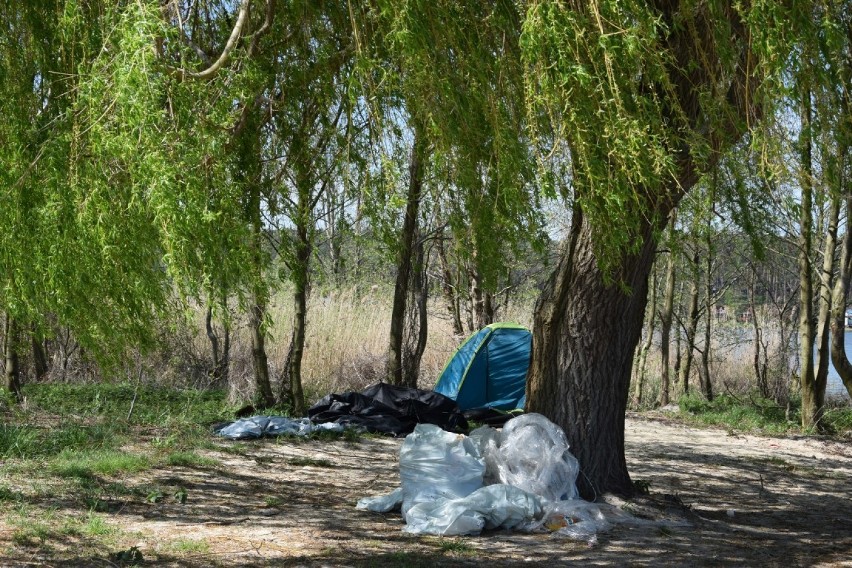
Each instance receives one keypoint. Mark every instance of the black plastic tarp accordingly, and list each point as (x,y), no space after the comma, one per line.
(389,409)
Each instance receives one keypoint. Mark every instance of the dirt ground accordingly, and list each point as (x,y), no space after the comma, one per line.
(741,501)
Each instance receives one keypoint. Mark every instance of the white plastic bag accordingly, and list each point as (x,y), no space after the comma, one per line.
(491,507)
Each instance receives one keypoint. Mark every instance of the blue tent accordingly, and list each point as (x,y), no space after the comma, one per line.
(489,370)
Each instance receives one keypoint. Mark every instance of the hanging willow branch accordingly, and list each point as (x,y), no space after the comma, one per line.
(213,69)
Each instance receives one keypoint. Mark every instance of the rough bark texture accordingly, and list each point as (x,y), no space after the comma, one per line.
(585,332)
(393,366)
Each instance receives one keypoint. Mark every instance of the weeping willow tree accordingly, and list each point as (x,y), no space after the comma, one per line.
(648,96)
(107,206)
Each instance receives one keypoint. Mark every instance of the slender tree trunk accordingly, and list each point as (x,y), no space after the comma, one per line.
(840,297)
(393,366)
(40,365)
(447,288)
(760,370)
(480,299)
(300,312)
(706,353)
(418,325)
(691,324)
(642,362)
(811,396)
(257,310)
(214,342)
(825,293)
(584,337)
(666,316)
(12,376)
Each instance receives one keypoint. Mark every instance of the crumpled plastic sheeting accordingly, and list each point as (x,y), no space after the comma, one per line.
(515,479)
(436,465)
(260,426)
(532,453)
(490,507)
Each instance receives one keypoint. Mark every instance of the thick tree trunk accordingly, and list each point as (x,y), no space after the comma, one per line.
(12,375)
(393,365)
(585,334)
(666,318)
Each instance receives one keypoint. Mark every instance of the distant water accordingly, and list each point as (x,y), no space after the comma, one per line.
(835,388)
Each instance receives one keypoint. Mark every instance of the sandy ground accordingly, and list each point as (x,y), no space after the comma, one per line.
(741,501)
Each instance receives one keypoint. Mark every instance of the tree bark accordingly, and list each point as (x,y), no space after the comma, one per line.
(704,368)
(300,312)
(417,330)
(691,324)
(840,297)
(40,365)
(641,364)
(257,310)
(666,317)
(448,289)
(393,365)
(584,336)
(812,397)
(825,294)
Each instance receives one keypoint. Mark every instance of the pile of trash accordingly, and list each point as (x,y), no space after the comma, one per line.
(263,426)
(521,478)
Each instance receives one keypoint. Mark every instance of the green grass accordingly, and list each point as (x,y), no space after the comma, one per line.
(111,402)
(190,459)
(71,463)
(752,413)
(739,414)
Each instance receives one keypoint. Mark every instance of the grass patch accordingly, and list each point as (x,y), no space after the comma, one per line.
(9,495)
(190,459)
(456,546)
(738,414)
(71,463)
(112,402)
(188,546)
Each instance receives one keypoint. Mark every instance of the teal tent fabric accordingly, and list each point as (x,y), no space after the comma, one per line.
(489,370)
